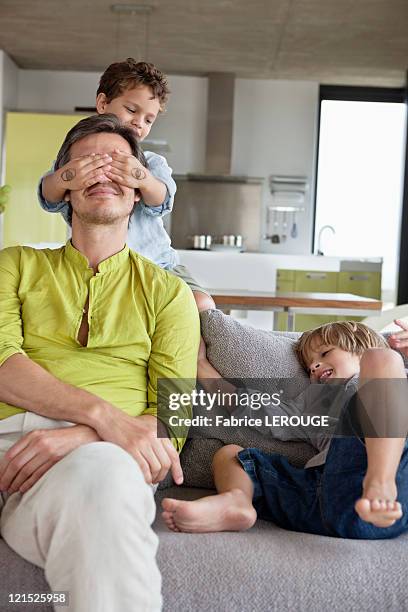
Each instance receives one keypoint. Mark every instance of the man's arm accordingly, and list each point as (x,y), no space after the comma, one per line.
(25,384)
(173,359)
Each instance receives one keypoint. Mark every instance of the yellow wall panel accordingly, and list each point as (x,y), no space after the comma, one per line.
(32,143)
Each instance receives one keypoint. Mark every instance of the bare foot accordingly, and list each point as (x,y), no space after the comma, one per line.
(378,504)
(231,511)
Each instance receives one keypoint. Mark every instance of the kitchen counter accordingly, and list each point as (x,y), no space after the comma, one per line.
(257,271)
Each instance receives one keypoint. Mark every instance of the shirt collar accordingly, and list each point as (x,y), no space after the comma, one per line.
(112,263)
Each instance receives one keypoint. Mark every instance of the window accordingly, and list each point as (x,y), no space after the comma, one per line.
(360,176)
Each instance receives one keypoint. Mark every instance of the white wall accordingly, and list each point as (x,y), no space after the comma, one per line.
(183,124)
(274,127)
(55,92)
(274,133)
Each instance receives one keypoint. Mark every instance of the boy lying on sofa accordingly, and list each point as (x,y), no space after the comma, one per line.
(350,488)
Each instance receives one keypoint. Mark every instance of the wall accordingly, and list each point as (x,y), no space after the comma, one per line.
(183,124)
(275,133)
(274,127)
(8,94)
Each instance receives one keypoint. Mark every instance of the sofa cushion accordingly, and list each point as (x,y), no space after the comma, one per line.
(270,569)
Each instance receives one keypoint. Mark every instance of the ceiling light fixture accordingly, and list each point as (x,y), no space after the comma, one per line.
(123,11)
(140,9)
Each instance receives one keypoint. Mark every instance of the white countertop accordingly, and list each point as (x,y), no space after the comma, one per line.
(254,271)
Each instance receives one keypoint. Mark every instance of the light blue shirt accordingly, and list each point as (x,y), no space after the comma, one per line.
(146,234)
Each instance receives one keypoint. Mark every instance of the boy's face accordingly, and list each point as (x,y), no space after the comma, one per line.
(137,108)
(327,362)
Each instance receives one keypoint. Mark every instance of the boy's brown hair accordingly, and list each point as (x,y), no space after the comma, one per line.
(129,74)
(349,336)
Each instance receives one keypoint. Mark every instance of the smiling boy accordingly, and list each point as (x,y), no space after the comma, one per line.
(349,488)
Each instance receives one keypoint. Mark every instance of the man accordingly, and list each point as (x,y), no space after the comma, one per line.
(85,332)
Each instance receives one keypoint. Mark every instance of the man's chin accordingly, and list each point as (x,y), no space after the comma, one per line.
(101,218)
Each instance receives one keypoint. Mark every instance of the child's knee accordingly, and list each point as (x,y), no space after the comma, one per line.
(225,453)
(203,301)
(380,358)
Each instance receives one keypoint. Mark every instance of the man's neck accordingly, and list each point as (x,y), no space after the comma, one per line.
(98,242)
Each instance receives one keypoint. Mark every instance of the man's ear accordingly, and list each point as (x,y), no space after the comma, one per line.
(67,196)
(138,195)
(101,103)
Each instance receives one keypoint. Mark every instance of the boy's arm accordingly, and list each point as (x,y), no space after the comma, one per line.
(155,182)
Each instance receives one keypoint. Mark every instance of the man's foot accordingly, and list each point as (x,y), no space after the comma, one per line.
(231,511)
(378,504)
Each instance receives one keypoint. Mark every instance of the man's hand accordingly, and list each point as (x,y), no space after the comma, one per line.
(399,340)
(138,436)
(36,452)
(82,172)
(126,170)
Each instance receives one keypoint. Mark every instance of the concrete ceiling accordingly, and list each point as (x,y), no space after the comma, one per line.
(330,41)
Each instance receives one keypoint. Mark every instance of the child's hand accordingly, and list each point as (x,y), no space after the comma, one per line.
(126,170)
(82,172)
(399,340)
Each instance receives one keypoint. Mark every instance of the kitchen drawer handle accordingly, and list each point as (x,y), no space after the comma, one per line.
(316,275)
(359,277)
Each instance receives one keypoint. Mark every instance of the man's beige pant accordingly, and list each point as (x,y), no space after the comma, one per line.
(87,523)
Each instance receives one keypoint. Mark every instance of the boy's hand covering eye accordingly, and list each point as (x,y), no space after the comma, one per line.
(126,170)
(399,340)
(82,172)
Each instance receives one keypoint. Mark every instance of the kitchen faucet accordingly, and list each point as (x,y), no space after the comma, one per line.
(330,227)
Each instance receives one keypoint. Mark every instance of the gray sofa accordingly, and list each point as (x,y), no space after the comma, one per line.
(266,568)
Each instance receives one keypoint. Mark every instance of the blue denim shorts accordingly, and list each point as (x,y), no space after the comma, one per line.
(320,499)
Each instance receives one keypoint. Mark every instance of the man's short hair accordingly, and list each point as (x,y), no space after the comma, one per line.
(129,74)
(97,124)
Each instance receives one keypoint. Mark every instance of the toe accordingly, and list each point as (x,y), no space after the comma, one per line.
(169,504)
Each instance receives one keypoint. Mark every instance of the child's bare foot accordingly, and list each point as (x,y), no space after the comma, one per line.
(378,504)
(231,511)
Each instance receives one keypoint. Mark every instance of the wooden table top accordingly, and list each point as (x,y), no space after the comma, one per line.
(294,299)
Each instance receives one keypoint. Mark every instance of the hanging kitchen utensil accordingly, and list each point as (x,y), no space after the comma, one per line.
(275,225)
(284,227)
(294,230)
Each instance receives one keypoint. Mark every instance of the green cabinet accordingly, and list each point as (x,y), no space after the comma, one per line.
(367,284)
(314,281)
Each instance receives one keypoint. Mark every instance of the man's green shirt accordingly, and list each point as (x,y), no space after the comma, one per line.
(143,323)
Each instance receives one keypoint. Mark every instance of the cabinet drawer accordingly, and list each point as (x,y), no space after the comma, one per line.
(286,275)
(367,284)
(285,285)
(316,281)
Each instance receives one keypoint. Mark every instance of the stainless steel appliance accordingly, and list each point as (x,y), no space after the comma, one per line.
(217,202)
